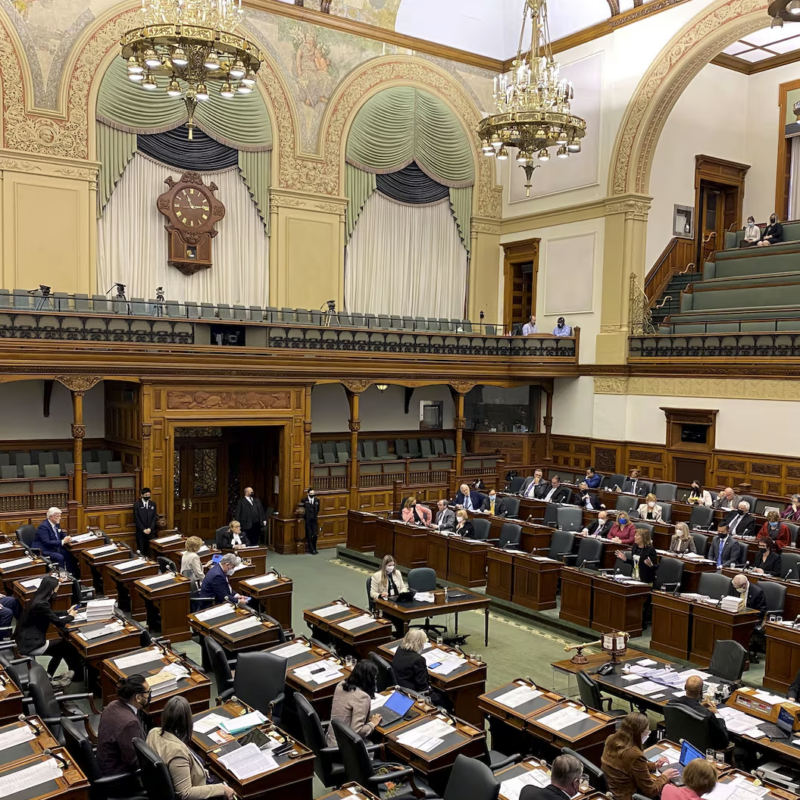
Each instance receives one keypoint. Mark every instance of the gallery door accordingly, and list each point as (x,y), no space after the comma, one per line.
(200,487)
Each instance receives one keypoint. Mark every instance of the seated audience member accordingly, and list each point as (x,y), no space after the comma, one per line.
(699,779)
(50,540)
(623,530)
(752,233)
(445,517)
(753,594)
(120,723)
(698,496)
(693,699)
(463,525)
(216,584)
(478,485)
(682,541)
(351,701)
(233,538)
(773,233)
(633,485)
(724,550)
(726,500)
(529,328)
(190,560)
(740,522)
(643,556)
(387,581)
(593,480)
(587,500)
(561,328)
(170,743)
(768,559)
(493,504)
(600,527)
(776,530)
(625,765)
(650,510)
(416,513)
(409,666)
(557,493)
(538,485)
(792,512)
(469,500)
(565,778)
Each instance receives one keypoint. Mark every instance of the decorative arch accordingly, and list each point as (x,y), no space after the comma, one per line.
(702,38)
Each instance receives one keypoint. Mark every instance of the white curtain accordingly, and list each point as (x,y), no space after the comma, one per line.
(406,260)
(132,242)
(794,180)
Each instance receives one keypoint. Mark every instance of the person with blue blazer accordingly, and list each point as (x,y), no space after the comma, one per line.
(216,583)
(50,541)
(592,479)
(468,499)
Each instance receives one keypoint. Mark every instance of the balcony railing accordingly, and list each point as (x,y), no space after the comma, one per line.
(35,494)
(712,345)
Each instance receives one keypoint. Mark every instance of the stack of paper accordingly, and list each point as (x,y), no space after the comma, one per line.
(249,621)
(145,657)
(511,788)
(208,723)
(424,597)
(16,736)
(737,789)
(262,579)
(97,610)
(133,563)
(173,537)
(106,630)
(99,551)
(426,737)
(35,775)
(738,722)
(84,537)
(563,718)
(731,603)
(450,663)
(329,611)
(295,649)
(248,761)
(242,723)
(357,622)
(33,583)
(162,683)
(645,687)
(242,565)
(320,672)
(517,697)
(153,580)
(212,613)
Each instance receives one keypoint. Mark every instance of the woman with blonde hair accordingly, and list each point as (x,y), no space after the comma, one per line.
(409,666)
(387,582)
(699,778)
(416,513)
(650,510)
(233,538)
(464,527)
(682,541)
(191,566)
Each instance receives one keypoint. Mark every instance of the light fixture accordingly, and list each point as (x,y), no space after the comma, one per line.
(149,83)
(502,154)
(381,387)
(191,43)
(794,8)
(562,152)
(532,102)
(243,88)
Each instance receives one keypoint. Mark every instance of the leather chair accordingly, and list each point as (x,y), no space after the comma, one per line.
(666,492)
(686,723)
(727,660)
(52,708)
(550,515)
(510,535)
(218,535)
(669,574)
(221,666)
(166,565)
(25,535)
(701,517)
(473,779)
(701,542)
(794,528)
(386,678)
(593,773)
(509,506)
(260,681)
(748,498)
(515,485)
(775,595)
(714,585)
(627,502)
(666,512)
(790,566)
(421,579)
(327,766)
(561,545)
(590,554)
(155,775)
(482,528)
(591,697)
(569,519)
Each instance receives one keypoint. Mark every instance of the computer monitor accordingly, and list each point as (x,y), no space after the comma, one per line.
(689,753)
(399,703)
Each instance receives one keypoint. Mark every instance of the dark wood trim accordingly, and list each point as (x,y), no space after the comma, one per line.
(518,253)
(731,62)
(781,198)
(745,67)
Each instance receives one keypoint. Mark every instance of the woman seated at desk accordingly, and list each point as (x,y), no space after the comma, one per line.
(232,539)
(699,778)
(387,582)
(623,530)
(191,566)
(411,669)
(625,765)
(698,496)
(415,513)
(170,743)
(792,512)
(682,541)
(463,525)
(775,530)
(768,558)
(650,510)
(351,702)
(642,555)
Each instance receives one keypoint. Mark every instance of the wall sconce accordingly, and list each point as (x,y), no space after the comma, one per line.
(382,387)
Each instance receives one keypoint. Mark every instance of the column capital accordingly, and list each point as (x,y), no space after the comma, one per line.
(633,206)
(355,425)
(78,431)
(78,383)
(356,386)
(462,387)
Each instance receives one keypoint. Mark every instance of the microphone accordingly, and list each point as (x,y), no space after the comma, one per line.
(745,567)
(58,757)
(530,517)
(342,600)
(36,730)
(275,572)
(786,577)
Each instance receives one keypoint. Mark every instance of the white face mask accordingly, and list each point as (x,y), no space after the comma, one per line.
(645,736)
(651,504)
(390,569)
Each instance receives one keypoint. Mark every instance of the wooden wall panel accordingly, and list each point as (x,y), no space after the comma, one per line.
(124,422)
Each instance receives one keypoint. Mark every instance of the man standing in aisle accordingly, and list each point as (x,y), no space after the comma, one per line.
(311,508)
(145,517)
(250,512)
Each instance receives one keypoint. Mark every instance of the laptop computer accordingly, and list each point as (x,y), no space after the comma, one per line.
(395,708)
(405,597)
(688,753)
(781,729)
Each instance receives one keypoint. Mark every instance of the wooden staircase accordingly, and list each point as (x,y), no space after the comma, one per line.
(673,272)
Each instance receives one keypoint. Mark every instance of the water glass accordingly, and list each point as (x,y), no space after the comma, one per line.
(721,759)
(711,756)
(583,785)
(473,657)
(439,640)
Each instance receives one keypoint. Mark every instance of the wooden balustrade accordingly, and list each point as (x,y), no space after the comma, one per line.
(673,261)
(119,489)
(35,494)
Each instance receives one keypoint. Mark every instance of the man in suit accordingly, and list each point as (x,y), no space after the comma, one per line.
(717,729)
(601,526)
(311,507)
(216,584)
(145,518)
(585,499)
(534,485)
(120,723)
(565,778)
(557,493)
(493,504)
(755,598)
(634,485)
(740,522)
(50,540)
(250,512)
(727,500)
(468,499)
(445,517)
(593,480)
(725,550)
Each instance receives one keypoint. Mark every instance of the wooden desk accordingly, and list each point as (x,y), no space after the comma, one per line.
(96,557)
(253,637)
(410,545)
(522,768)
(783,656)
(710,623)
(195,687)
(255,555)
(71,785)
(361,531)
(438,554)
(272,594)
(672,625)
(466,561)
(166,602)
(345,793)
(499,574)
(169,545)
(94,651)
(118,580)
(10,699)
(384,537)
(618,606)
(535,581)
(586,737)
(463,686)
(19,568)
(360,641)
(25,588)
(791,608)
(91,541)
(10,549)
(576,596)
(446,601)
(43,740)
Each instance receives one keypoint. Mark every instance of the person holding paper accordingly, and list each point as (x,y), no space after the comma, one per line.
(699,778)
(693,699)
(469,500)
(698,496)
(120,723)
(216,584)
(682,541)
(50,541)
(170,742)
(191,566)
(387,582)
(565,777)
(625,765)
(351,702)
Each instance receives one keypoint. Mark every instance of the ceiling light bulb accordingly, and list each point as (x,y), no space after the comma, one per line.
(134,67)
(522,157)
(211,62)
(574,146)
(149,83)
(562,138)
(237,70)
(179,57)
(202,92)
(136,77)
(794,7)
(249,79)
(486,147)
(151,59)
(502,154)
(243,88)
(562,152)
(174,88)
(544,155)
(226,90)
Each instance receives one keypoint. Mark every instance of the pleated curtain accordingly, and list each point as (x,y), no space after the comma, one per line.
(794,180)
(406,260)
(132,243)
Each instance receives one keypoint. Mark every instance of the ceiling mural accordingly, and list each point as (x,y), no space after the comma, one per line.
(382,13)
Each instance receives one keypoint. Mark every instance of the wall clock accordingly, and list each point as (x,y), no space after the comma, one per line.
(192,211)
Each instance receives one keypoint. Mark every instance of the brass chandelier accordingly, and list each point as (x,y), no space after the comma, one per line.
(532,103)
(191,43)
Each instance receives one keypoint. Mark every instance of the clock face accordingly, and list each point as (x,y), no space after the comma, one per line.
(191,207)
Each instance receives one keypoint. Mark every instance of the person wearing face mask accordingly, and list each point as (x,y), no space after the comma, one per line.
(752,593)
(776,530)
(311,508)
(565,778)
(493,504)
(216,585)
(600,527)
(623,530)
(740,522)
(562,329)
(415,513)
(752,233)
(145,518)
(725,550)
(768,559)
(792,512)
(698,496)
(650,510)
(387,582)
(682,541)
(121,722)
(463,525)
(773,233)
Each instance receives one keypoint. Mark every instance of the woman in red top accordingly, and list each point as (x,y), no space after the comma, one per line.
(776,530)
(699,779)
(623,530)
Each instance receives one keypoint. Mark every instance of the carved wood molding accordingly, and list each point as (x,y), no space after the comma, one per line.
(78,383)
(78,431)
(356,386)
(223,400)
(462,387)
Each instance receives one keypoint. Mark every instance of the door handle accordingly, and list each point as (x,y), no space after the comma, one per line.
(183,504)
(190,504)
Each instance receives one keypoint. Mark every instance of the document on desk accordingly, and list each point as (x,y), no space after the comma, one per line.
(156,579)
(563,718)
(450,664)
(16,736)
(766,697)
(511,788)
(247,761)
(357,622)
(6,545)
(262,579)
(173,537)
(213,613)
(517,697)
(242,723)
(83,537)
(688,673)
(208,723)
(379,701)
(99,551)
(30,777)
(291,650)
(424,597)
(435,729)
(737,789)
(645,688)
(320,672)
(106,630)
(131,564)
(647,662)
(249,621)
(138,658)
(329,611)
(435,656)
(176,669)
(16,562)
(32,584)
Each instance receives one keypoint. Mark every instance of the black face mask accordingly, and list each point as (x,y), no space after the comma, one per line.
(695,488)
(740,512)
(773,220)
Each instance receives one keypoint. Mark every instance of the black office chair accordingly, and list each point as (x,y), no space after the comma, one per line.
(25,535)
(561,544)
(218,535)
(52,708)
(166,565)
(569,518)
(590,554)
(370,601)
(591,697)
(744,554)
(593,773)
(617,479)
(423,579)
(775,596)
(221,666)
(481,527)
(686,723)
(509,507)
(101,787)
(666,492)
(621,567)
(327,761)
(17,668)
(154,773)
(260,681)
(473,779)
(627,502)
(794,528)
(668,575)
(701,542)
(714,585)
(515,485)
(727,660)
(550,517)
(386,678)
(197,600)
(81,594)
(510,536)
(790,566)
(281,632)
(496,760)
(701,517)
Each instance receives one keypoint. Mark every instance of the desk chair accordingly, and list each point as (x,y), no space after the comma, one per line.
(775,595)
(591,697)
(260,681)
(509,507)
(686,723)
(473,779)
(550,515)
(166,565)
(793,530)
(714,585)
(790,566)
(25,535)
(627,502)
(669,574)
(701,517)
(482,528)
(197,601)
(617,479)
(590,554)
(370,601)
(80,593)
(569,518)
(102,787)
(386,678)
(701,542)
(510,535)
(593,773)
(561,544)
(221,666)
(727,660)
(423,579)
(666,492)
(155,775)
(515,485)
(327,761)
(218,535)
